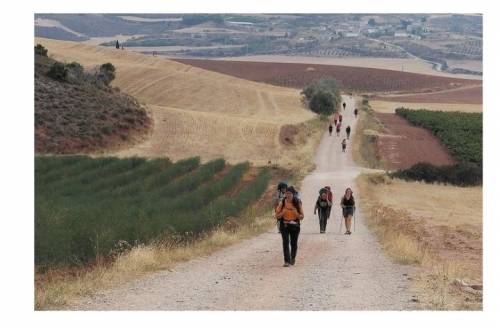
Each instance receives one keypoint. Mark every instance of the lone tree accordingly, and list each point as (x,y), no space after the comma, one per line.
(323,96)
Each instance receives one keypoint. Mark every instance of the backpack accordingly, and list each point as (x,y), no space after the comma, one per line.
(329,193)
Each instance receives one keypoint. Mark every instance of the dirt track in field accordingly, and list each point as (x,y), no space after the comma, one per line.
(333,271)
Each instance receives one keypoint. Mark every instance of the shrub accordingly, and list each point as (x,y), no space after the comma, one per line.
(74,73)
(40,50)
(322,96)
(106,73)
(462,174)
(58,71)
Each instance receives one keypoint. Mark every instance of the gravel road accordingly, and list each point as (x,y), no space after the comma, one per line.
(332,271)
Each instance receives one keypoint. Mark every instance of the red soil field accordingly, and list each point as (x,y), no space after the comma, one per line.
(406,145)
(353,79)
(472,95)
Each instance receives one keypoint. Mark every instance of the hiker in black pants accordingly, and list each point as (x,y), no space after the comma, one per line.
(343,105)
(330,129)
(355,113)
(323,206)
(348,131)
(338,129)
(290,213)
(344,145)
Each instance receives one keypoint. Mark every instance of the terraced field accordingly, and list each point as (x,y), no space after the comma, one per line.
(88,209)
(206,113)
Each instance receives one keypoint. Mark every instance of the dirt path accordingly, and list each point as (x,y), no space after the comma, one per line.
(332,271)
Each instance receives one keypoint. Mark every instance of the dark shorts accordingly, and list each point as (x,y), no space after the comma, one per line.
(347,211)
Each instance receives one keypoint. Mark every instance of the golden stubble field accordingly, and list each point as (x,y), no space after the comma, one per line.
(437,227)
(197,112)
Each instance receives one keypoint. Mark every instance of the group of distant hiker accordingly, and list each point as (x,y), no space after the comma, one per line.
(337,122)
(289,214)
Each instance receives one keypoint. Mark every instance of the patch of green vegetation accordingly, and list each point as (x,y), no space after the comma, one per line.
(87,208)
(323,96)
(461,133)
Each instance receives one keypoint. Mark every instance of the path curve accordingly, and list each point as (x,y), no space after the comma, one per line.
(332,271)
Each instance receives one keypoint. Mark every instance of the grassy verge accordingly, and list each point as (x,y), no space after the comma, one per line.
(432,228)
(365,140)
(298,156)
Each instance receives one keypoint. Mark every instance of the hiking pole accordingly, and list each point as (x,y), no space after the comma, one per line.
(354,220)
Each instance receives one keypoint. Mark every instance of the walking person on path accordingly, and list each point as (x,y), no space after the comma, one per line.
(344,145)
(338,129)
(322,206)
(355,113)
(343,105)
(290,213)
(330,129)
(330,199)
(278,198)
(340,118)
(348,131)
(348,207)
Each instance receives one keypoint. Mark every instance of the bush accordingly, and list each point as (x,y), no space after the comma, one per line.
(323,96)
(106,73)
(462,174)
(58,71)
(75,73)
(40,50)
(322,103)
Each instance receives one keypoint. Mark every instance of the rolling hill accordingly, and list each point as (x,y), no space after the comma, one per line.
(198,112)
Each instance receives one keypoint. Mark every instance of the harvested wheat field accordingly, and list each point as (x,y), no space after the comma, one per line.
(436,226)
(404,144)
(197,111)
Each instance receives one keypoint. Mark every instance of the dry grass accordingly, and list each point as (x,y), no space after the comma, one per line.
(382,106)
(198,112)
(55,290)
(365,150)
(436,227)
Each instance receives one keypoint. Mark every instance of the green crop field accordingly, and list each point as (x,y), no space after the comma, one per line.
(86,207)
(461,133)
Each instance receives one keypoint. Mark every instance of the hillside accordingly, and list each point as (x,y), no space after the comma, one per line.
(80,117)
(198,111)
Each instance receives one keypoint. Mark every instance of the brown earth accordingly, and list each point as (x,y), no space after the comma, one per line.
(405,145)
(467,95)
(356,79)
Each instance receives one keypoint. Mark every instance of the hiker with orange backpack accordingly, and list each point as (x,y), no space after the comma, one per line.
(289,213)
(278,198)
